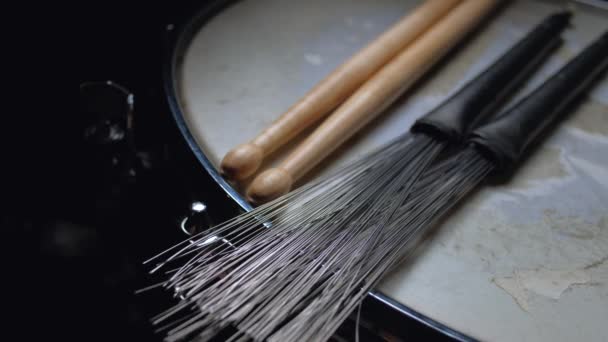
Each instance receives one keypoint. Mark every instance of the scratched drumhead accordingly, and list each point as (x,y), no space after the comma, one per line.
(526,260)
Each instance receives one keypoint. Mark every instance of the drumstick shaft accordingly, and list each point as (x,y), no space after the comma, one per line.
(371,99)
(244,160)
(343,81)
(381,90)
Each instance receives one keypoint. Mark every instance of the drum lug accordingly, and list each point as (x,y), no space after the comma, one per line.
(197,220)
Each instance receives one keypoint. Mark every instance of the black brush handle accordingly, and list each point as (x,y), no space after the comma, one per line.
(507,138)
(455,117)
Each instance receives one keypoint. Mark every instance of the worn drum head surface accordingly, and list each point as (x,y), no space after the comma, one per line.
(524,260)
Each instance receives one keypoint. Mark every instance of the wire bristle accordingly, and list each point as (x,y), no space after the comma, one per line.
(328,244)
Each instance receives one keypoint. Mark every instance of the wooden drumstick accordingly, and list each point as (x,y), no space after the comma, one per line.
(244,160)
(371,99)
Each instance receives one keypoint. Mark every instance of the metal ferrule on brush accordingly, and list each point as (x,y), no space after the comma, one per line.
(506,139)
(480,97)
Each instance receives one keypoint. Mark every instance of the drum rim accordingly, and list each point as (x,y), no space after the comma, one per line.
(179,39)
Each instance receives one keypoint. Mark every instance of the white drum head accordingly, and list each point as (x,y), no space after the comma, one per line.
(527,260)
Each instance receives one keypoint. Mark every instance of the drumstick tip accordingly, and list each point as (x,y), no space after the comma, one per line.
(269,185)
(242,162)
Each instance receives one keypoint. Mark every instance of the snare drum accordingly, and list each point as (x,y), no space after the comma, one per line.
(523,260)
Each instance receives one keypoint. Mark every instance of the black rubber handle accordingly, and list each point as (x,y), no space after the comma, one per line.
(507,138)
(470,105)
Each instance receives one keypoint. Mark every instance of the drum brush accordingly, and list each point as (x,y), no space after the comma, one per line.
(244,160)
(494,147)
(369,100)
(313,227)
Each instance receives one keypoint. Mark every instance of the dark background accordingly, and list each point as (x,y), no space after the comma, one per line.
(77,226)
